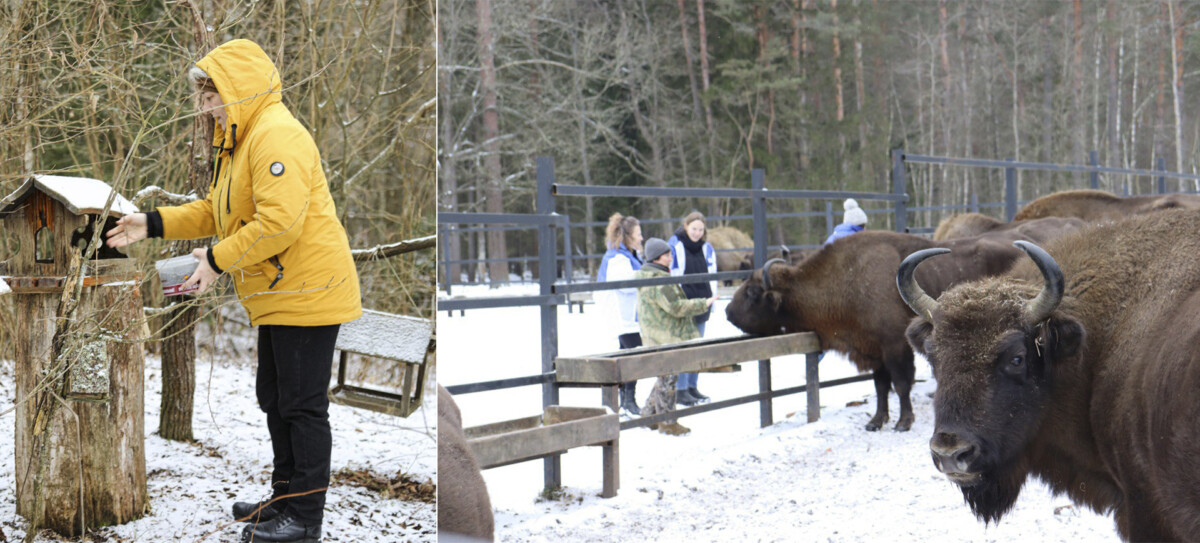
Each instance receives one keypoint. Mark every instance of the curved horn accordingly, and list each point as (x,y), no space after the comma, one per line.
(1052,293)
(910,291)
(766,272)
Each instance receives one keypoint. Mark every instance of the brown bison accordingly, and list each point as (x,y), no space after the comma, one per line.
(1098,205)
(728,237)
(1087,382)
(463,503)
(965,225)
(846,294)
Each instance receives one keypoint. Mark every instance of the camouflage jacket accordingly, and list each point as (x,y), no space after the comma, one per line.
(664,313)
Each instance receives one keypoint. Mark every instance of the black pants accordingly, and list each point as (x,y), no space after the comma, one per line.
(294,365)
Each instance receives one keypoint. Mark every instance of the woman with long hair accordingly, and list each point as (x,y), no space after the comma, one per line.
(691,254)
(623,240)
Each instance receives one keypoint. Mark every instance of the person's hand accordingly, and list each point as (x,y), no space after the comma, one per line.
(709,302)
(130,229)
(204,274)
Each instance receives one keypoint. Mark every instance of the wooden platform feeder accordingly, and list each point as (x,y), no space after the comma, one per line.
(555,431)
(408,341)
(95,467)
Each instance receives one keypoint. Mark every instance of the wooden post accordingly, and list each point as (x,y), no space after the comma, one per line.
(610,457)
(812,386)
(766,415)
(95,461)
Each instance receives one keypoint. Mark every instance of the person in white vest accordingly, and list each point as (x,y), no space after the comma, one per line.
(624,241)
(691,253)
(853,222)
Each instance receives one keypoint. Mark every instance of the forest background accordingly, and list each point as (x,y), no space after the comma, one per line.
(695,93)
(97,89)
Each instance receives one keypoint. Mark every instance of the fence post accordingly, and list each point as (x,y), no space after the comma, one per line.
(1010,191)
(759,208)
(567,264)
(899,188)
(828,219)
(547,267)
(1162,180)
(1094,176)
(446,267)
(974,202)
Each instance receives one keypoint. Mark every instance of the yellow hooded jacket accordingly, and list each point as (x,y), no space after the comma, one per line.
(269,203)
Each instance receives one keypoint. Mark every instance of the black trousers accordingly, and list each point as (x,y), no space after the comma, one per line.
(294,364)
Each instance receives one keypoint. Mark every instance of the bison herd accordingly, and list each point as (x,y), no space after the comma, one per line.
(1065,345)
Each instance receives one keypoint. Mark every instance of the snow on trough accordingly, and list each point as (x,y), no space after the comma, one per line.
(729,480)
(192,486)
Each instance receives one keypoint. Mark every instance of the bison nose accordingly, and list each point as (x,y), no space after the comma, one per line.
(951,453)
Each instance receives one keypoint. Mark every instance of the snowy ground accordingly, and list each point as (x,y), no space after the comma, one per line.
(729,480)
(193,485)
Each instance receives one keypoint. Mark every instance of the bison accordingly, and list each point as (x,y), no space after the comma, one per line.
(965,225)
(1087,381)
(844,293)
(728,237)
(463,503)
(1098,205)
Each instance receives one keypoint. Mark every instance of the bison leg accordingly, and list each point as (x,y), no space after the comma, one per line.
(903,372)
(883,385)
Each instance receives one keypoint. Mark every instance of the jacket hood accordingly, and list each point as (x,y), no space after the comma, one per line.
(248,82)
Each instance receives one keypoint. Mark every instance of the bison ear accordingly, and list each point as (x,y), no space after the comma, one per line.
(1064,334)
(918,333)
(775,300)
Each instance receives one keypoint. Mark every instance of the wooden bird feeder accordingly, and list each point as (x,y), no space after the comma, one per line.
(96,470)
(407,341)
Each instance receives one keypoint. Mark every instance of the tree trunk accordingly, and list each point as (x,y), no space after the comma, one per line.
(1078,134)
(179,337)
(448,177)
(94,460)
(1113,117)
(1177,83)
(837,67)
(687,53)
(497,271)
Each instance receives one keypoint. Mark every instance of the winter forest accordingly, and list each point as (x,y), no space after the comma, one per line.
(99,89)
(695,93)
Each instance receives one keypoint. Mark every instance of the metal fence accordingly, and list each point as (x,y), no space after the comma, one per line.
(569,255)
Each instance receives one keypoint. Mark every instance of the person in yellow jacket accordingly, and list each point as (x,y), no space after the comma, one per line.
(289,259)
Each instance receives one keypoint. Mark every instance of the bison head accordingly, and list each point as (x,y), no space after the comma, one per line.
(757,308)
(995,354)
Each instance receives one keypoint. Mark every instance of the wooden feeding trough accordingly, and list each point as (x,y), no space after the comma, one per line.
(555,431)
(609,370)
(95,467)
(406,340)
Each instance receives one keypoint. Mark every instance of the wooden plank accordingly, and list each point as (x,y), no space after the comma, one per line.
(508,447)
(620,368)
(495,428)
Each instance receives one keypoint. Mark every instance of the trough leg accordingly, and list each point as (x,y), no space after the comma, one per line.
(812,386)
(610,451)
(765,415)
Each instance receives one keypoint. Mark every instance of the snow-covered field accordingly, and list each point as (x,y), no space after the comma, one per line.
(729,480)
(192,486)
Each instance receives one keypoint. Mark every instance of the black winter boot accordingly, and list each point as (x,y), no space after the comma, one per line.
(685,398)
(285,528)
(246,511)
(697,395)
(629,399)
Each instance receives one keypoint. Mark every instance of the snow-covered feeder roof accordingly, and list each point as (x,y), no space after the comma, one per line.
(385,335)
(81,195)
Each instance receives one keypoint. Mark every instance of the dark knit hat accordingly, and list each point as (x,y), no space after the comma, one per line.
(655,248)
